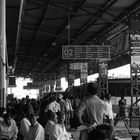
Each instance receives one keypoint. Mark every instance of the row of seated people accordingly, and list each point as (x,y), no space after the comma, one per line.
(31,129)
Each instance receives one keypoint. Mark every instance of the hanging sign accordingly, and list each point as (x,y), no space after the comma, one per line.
(103,69)
(85,51)
(135,52)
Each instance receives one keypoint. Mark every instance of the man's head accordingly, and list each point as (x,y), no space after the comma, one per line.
(52,116)
(108,96)
(7,119)
(122,96)
(60,96)
(61,117)
(33,119)
(102,132)
(92,88)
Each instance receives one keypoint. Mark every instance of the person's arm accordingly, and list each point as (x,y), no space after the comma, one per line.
(56,133)
(39,134)
(15,131)
(46,109)
(80,111)
(24,127)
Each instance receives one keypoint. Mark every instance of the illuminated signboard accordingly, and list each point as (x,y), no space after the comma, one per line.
(85,51)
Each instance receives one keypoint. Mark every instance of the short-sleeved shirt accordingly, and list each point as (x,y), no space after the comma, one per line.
(36,132)
(8,132)
(92,110)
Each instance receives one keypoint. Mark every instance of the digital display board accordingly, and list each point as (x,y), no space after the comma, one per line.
(85,51)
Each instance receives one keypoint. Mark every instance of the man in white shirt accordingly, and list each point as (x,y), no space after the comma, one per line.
(8,128)
(109,111)
(53,106)
(36,131)
(52,119)
(59,131)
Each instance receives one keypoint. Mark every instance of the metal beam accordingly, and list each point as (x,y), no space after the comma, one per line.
(121,19)
(97,7)
(36,2)
(102,18)
(22,8)
(37,27)
(92,20)
(44,33)
(65,23)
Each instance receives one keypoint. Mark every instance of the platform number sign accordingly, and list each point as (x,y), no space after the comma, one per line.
(68,52)
(85,52)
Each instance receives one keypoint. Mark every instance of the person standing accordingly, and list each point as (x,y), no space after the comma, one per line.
(91,110)
(28,108)
(62,103)
(53,105)
(109,111)
(122,104)
(69,111)
(121,113)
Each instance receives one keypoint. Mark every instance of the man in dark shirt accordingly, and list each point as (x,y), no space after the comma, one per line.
(122,104)
(121,113)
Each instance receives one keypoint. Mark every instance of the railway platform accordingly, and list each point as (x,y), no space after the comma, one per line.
(121,132)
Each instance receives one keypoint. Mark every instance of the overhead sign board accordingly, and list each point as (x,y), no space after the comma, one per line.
(85,51)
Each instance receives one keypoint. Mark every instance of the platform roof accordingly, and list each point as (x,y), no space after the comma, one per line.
(37,30)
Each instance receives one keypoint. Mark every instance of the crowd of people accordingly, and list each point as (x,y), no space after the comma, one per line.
(54,116)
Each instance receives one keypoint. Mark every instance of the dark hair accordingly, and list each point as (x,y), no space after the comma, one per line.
(53,98)
(51,115)
(22,114)
(92,88)
(107,129)
(108,96)
(102,132)
(96,135)
(60,115)
(122,96)
(7,115)
(35,114)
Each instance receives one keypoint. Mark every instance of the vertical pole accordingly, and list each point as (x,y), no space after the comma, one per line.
(68,69)
(3,85)
(131,76)
(103,78)
(69,14)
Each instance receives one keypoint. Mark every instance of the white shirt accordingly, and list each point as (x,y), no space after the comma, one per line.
(53,106)
(109,110)
(91,110)
(36,132)
(8,132)
(59,133)
(24,127)
(68,105)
